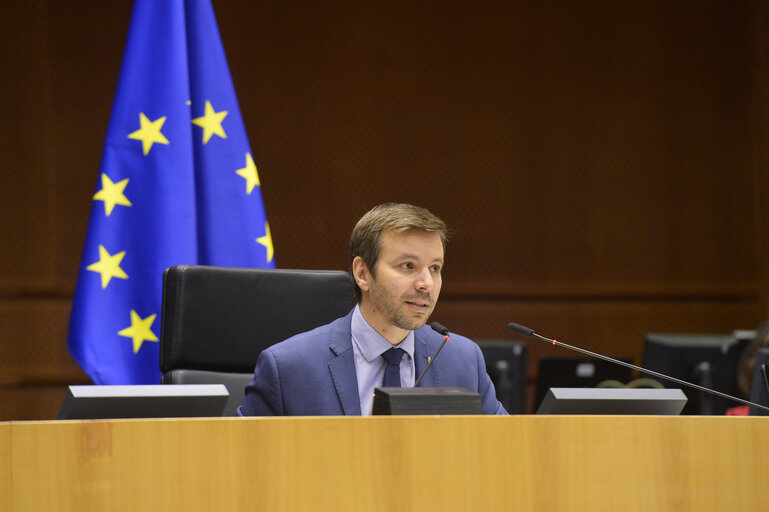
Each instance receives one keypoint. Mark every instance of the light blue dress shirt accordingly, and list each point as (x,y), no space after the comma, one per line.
(368,346)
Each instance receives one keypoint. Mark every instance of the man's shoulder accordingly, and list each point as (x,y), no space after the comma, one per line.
(456,341)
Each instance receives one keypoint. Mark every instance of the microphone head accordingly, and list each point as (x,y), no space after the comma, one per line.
(523,331)
(439,329)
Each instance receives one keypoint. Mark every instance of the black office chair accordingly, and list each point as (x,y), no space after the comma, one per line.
(215,321)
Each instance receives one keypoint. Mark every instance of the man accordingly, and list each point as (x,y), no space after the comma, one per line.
(396,259)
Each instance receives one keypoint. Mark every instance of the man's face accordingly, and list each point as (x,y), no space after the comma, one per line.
(402,294)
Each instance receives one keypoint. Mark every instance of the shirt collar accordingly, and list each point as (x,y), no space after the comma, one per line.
(370,343)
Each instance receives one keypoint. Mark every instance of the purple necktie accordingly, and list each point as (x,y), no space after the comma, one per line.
(392,375)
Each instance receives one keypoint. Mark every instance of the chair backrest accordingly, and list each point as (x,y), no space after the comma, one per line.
(234,382)
(215,321)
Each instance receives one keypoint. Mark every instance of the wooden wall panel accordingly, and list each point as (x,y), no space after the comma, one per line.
(34,401)
(603,166)
(611,327)
(35,366)
(33,334)
(760,124)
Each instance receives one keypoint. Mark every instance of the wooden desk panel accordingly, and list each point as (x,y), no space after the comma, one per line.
(5,467)
(391,463)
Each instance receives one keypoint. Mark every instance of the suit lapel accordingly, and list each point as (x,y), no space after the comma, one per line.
(422,352)
(342,367)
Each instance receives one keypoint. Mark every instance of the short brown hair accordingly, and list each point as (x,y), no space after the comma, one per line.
(366,236)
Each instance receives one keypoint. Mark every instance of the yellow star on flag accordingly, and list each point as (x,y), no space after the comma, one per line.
(140,330)
(149,133)
(266,241)
(108,266)
(111,193)
(249,173)
(211,123)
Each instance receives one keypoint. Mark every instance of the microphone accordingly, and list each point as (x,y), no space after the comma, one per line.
(529,333)
(443,332)
(435,326)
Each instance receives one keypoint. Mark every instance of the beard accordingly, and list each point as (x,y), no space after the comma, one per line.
(391,308)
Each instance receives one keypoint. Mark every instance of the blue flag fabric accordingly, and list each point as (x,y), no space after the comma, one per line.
(177,185)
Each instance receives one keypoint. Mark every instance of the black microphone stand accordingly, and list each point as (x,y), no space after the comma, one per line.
(525,331)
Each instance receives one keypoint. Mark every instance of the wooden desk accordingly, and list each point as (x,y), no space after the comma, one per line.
(554,463)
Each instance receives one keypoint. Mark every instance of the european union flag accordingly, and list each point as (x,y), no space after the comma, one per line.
(177,185)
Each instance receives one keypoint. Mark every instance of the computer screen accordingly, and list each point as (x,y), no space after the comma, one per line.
(506,366)
(759,389)
(709,360)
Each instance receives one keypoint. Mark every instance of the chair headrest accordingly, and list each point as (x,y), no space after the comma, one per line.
(220,319)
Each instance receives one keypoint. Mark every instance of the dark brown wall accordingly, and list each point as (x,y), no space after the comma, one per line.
(602,165)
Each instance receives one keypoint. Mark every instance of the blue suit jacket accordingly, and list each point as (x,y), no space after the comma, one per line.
(313,373)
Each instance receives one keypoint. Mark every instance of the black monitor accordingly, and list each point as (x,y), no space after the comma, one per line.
(506,366)
(577,372)
(612,401)
(140,401)
(759,387)
(709,360)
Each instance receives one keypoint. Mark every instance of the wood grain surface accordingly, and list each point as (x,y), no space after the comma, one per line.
(555,463)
